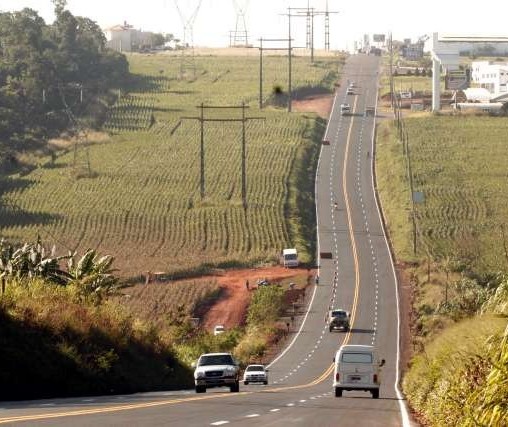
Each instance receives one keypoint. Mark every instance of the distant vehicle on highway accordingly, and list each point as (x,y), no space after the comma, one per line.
(345,109)
(216,370)
(255,374)
(338,319)
(350,91)
(290,257)
(357,367)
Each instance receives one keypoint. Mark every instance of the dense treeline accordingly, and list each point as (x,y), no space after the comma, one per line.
(45,67)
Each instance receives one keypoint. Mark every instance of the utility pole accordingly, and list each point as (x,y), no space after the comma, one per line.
(202,120)
(308,26)
(290,53)
(261,49)
(390,41)
(261,73)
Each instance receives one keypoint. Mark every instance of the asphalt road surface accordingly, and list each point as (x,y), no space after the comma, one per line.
(356,273)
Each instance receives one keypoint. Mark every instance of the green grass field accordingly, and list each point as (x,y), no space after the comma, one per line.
(459,164)
(143,203)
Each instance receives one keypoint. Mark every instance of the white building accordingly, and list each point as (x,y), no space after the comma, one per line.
(124,38)
(120,37)
(492,76)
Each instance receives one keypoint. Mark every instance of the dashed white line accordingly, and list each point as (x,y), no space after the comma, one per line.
(275,410)
(252,416)
(219,423)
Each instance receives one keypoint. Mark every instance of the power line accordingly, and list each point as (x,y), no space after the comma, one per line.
(261,49)
(202,120)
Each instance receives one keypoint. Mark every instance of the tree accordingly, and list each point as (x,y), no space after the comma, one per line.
(59,6)
(40,64)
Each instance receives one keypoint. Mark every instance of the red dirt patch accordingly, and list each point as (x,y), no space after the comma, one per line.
(319,104)
(231,309)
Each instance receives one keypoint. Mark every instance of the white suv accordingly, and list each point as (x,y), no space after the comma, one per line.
(216,370)
(357,367)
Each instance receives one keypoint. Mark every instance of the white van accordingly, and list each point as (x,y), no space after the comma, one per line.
(357,367)
(345,109)
(290,258)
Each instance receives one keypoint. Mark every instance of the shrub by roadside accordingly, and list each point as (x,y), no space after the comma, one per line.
(53,344)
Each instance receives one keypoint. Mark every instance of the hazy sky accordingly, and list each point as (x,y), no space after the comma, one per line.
(216,18)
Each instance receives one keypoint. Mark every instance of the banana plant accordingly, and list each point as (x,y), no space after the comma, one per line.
(32,260)
(92,274)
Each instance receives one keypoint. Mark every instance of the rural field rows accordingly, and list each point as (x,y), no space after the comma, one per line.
(143,203)
(463,178)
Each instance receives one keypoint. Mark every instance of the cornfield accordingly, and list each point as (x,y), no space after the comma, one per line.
(143,203)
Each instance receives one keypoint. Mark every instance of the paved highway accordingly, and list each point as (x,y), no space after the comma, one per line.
(359,277)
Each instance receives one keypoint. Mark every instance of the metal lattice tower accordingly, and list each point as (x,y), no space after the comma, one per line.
(187,58)
(308,26)
(81,159)
(239,37)
(327,28)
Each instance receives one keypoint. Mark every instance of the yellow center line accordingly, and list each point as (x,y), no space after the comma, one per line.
(350,227)
(316,381)
(346,339)
(112,408)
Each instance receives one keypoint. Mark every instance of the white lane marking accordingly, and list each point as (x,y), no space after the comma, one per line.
(219,423)
(302,401)
(252,416)
(275,410)
(403,409)
(290,404)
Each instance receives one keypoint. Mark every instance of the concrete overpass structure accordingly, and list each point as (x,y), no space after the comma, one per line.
(445,52)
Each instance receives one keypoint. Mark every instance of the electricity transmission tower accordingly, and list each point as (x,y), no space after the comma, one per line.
(239,37)
(187,58)
(202,120)
(81,159)
(310,13)
(327,13)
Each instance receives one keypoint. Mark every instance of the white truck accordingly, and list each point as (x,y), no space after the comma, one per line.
(290,258)
(357,367)
(216,370)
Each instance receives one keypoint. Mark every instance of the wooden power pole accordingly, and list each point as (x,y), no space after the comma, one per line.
(202,120)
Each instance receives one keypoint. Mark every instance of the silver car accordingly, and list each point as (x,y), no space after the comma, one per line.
(255,374)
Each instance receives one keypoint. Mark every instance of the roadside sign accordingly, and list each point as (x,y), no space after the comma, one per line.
(456,80)
(418,197)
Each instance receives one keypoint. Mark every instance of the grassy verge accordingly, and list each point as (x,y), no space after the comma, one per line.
(454,257)
(446,380)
